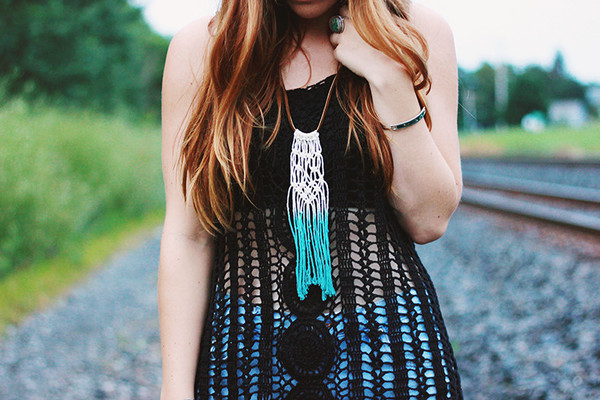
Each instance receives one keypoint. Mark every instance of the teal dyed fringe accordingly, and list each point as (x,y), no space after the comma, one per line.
(313,260)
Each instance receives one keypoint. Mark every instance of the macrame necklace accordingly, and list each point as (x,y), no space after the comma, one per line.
(307,207)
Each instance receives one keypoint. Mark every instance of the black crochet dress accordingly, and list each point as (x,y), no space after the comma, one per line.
(380,337)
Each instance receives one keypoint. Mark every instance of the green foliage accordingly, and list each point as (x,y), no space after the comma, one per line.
(98,54)
(65,173)
(485,89)
(34,287)
(529,90)
(564,86)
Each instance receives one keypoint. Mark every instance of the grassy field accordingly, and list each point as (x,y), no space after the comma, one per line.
(556,142)
(67,175)
(36,286)
(75,187)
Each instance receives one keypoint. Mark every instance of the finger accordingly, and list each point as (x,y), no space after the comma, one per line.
(334,38)
(347,22)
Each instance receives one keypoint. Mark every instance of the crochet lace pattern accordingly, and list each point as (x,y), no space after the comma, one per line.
(381,336)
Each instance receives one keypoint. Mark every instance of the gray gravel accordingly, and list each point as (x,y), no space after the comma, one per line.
(101,341)
(523,316)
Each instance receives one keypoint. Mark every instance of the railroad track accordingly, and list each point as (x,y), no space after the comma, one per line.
(557,203)
(537,161)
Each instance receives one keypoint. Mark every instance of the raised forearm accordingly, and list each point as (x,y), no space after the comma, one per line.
(427,180)
(424,189)
(183,290)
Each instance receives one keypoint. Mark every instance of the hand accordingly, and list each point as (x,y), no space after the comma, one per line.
(364,60)
(390,83)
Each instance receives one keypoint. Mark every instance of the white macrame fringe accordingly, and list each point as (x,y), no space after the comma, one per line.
(307,205)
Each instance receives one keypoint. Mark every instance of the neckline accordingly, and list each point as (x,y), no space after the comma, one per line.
(319,84)
(322,82)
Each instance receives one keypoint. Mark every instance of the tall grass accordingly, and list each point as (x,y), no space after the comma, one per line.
(561,142)
(65,174)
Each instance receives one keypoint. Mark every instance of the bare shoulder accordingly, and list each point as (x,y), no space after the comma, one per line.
(183,73)
(195,31)
(431,24)
(187,54)
(442,63)
(182,77)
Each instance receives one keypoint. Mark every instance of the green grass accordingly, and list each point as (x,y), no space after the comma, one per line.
(75,186)
(36,286)
(555,142)
(68,174)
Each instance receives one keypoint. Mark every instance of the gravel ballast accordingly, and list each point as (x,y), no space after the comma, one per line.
(523,315)
(522,312)
(101,341)
(583,175)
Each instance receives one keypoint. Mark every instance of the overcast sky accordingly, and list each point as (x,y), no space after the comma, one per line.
(520,32)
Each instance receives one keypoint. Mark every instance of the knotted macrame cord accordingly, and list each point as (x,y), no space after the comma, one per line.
(307,206)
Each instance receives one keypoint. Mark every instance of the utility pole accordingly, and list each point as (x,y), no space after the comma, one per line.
(469,109)
(501,81)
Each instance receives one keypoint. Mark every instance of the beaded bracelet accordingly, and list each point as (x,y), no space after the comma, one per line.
(408,123)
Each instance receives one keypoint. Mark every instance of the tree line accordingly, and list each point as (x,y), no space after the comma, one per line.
(503,95)
(97,54)
(102,54)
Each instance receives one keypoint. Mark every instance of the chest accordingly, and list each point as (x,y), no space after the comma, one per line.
(348,171)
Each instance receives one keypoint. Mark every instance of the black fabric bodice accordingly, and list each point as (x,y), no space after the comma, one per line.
(260,341)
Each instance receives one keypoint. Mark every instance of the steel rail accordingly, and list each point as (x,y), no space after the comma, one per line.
(531,160)
(500,202)
(532,187)
(496,192)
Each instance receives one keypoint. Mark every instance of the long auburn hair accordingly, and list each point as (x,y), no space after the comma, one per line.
(241,82)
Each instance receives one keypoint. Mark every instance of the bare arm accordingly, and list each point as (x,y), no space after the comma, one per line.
(427,182)
(186,249)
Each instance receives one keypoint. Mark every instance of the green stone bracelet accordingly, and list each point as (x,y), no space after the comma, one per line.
(408,123)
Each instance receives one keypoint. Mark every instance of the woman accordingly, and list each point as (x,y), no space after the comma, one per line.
(308,144)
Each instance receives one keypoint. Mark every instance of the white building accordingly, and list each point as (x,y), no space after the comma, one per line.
(592,95)
(571,112)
